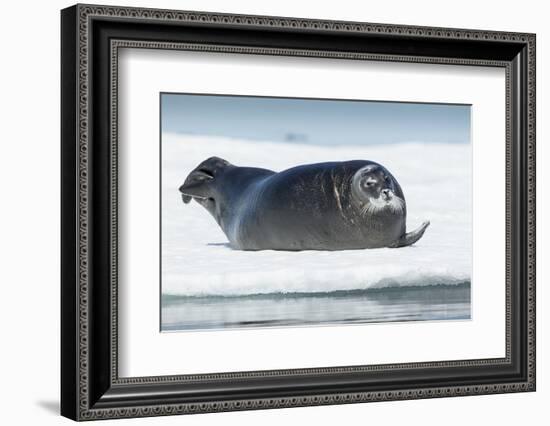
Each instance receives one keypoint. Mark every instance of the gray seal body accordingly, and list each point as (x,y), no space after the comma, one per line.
(325,206)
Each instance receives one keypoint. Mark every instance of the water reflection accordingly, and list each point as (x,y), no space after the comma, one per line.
(300,309)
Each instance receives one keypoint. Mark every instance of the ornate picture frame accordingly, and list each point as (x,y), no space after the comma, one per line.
(91,37)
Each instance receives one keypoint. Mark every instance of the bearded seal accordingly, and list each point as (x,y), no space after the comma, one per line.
(325,206)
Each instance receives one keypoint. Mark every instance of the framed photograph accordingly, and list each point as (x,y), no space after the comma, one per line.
(263,212)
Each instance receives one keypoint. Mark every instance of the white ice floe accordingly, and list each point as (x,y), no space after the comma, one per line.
(436,180)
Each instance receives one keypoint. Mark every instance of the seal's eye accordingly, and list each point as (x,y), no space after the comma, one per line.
(370,183)
(387,178)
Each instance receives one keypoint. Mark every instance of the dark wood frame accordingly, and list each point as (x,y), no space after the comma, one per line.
(91,37)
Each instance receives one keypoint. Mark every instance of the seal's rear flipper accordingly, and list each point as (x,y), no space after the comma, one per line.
(411,237)
(198,183)
(186,198)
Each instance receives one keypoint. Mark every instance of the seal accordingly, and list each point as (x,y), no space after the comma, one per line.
(354,204)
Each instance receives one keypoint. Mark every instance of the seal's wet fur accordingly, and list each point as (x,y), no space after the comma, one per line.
(324,206)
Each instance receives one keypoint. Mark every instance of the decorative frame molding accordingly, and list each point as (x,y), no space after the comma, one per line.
(91,388)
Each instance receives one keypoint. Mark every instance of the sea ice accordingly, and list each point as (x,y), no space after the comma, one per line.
(436,180)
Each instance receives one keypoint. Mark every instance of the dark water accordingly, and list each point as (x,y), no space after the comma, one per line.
(434,303)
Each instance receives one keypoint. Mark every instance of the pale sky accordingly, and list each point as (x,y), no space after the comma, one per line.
(314,121)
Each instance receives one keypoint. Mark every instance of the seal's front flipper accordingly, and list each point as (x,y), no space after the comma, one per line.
(411,237)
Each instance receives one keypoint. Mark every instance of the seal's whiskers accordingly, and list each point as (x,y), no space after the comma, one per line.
(395,205)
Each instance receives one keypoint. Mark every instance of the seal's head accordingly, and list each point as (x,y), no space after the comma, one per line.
(376,191)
